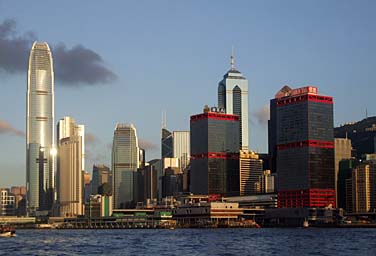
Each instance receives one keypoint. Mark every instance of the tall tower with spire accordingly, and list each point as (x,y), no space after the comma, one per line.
(233,97)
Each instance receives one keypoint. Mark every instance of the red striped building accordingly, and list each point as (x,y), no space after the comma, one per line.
(301,145)
(214,153)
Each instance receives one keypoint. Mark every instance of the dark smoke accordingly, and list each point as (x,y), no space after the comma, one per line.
(80,65)
(73,67)
(14,50)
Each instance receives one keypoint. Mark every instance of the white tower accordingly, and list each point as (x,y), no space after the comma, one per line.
(233,97)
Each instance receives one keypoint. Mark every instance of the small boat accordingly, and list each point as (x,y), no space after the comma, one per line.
(7,231)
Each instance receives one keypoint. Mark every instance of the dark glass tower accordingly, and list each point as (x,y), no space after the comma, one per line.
(301,145)
(214,153)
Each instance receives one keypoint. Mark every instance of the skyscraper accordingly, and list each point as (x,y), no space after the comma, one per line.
(40,149)
(101,175)
(181,148)
(125,154)
(70,183)
(166,140)
(250,171)
(302,143)
(70,177)
(214,153)
(364,187)
(342,150)
(233,97)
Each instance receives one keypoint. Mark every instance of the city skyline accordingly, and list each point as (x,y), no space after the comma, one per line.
(197,82)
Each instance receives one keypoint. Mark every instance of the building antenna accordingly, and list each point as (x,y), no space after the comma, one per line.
(164,120)
(366,112)
(232,59)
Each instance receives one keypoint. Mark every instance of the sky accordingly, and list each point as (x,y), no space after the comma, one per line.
(128,61)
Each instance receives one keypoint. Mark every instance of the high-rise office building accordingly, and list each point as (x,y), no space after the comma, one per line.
(70,178)
(67,128)
(101,175)
(70,174)
(344,184)
(302,143)
(342,150)
(181,148)
(40,149)
(266,181)
(175,144)
(364,187)
(214,153)
(166,140)
(125,162)
(233,97)
(250,172)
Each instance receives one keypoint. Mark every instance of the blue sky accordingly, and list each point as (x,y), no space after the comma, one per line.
(170,55)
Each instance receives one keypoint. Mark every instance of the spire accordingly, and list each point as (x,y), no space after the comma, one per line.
(164,120)
(232,59)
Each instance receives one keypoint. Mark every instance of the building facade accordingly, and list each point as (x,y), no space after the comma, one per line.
(101,175)
(125,162)
(233,97)
(70,180)
(250,173)
(70,177)
(302,143)
(342,150)
(7,203)
(344,184)
(40,149)
(181,148)
(364,187)
(214,153)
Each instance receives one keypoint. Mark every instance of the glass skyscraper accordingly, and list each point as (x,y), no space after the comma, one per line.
(302,147)
(214,153)
(40,149)
(233,97)
(125,161)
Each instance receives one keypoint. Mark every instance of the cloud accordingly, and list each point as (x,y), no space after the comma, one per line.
(74,66)
(147,145)
(7,128)
(80,65)
(262,115)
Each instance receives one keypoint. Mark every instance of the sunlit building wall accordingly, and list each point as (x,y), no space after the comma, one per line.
(125,161)
(40,129)
(181,147)
(70,175)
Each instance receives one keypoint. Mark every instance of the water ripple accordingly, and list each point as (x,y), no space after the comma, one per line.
(192,242)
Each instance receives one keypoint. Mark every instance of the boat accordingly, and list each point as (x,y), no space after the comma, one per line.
(305,224)
(7,231)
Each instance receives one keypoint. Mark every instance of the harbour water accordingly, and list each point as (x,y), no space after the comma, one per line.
(267,241)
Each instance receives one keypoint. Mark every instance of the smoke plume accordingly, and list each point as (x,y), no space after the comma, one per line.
(74,66)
